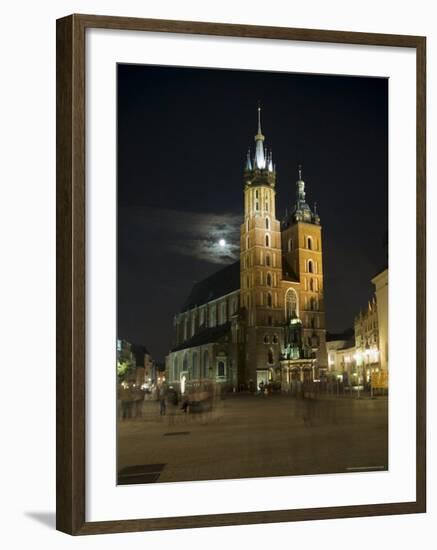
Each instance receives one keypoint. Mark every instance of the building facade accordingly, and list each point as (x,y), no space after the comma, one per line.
(260,320)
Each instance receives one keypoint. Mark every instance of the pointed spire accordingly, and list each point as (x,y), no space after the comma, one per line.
(248,161)
(260,160)
(315,208)
(299,168)
(271,161)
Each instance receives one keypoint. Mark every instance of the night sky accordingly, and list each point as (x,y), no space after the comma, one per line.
(183,135)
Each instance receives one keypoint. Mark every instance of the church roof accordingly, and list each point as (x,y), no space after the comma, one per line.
(205,336)
(218,284)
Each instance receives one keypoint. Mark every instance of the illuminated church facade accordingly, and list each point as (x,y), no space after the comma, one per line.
(260,320)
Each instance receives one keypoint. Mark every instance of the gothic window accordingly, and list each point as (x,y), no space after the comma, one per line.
(269,279)
(270,357)
(223,316)
(212,316)
(175,369)
(309,243)
(267,240)
(268,259)
(205,364)
(221,369)
(311,284)
(195,366)
(291,304)
(267,223)
(269,299)
(310,266)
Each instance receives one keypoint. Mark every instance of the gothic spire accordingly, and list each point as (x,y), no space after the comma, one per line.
(248,161)
(260,160)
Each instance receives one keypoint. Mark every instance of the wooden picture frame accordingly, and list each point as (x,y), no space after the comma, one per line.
(71,246)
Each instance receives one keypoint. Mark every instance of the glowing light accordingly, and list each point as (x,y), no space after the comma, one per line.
(222,243)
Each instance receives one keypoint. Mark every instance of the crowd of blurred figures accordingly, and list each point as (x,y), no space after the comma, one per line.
(163,400)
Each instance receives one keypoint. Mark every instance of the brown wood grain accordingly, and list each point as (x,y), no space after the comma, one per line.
(71,280)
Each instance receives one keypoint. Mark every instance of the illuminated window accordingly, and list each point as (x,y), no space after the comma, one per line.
(221,369)
(175,369)
(291,304)
(195,366)
(205,364)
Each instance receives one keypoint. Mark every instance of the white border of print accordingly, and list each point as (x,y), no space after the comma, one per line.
(106,501)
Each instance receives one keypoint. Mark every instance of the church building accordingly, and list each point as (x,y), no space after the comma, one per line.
(261,319)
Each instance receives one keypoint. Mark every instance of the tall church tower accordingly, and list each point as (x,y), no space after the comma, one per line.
(302,246)
(261,264)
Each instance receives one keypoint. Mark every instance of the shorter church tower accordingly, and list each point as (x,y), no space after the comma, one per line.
(302,246)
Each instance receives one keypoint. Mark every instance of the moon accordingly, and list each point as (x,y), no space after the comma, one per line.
(222,243)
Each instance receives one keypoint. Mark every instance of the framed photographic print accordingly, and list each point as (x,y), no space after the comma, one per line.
(240,274)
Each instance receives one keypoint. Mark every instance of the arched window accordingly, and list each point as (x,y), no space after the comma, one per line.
(268,259)
(267,240)
(175,369)
(310,266)
(309,243)
(270,357)
(267,223)
(269,299)
(195,366)
(312,284)
(221,369)
(291,304)
(275,339)
(205,364)
(290,245)
(266,339)
(269,279)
